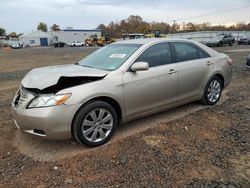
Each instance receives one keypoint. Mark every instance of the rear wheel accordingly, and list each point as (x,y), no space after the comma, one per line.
(95,123)
(220,44)
(212,91)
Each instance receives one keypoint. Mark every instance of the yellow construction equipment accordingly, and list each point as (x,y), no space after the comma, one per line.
(102,41)
(151,35)
(93,40)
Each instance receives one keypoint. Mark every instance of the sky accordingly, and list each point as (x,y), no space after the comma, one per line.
(22,16)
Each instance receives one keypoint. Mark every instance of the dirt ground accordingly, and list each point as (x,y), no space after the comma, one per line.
(189,146)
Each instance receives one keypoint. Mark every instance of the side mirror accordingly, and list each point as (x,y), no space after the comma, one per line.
(139,66)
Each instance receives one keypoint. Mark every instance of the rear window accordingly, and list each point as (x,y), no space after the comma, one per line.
(202,53)
(185,52)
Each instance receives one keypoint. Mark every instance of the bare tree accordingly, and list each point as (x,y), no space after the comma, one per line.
(55,27)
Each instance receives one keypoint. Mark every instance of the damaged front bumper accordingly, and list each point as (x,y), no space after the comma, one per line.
(52,123)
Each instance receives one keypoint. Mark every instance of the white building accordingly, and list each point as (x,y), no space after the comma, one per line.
(73,35)
(37,38)
(40,38)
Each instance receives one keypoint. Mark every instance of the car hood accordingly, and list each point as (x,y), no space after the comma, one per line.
(45,77)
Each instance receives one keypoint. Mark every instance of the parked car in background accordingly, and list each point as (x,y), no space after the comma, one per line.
(244,40)
(116,84)
(218,40)
(248,62)
(59,44)
(77,43)
(15,45)
(225,39)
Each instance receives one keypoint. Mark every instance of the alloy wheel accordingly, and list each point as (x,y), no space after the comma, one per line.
(214,91)
(97,125)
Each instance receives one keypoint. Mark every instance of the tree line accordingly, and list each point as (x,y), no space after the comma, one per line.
(135,24)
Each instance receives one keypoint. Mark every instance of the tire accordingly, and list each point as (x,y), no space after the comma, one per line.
(231,44)
(212,97)
(220,44)
(93,126)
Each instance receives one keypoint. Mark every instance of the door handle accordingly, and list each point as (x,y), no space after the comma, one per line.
(172,71)
(209,63)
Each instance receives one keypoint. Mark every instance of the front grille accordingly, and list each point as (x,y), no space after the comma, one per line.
(16,100)
(23,96)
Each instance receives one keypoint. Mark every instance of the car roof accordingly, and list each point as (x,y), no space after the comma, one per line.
(151,40)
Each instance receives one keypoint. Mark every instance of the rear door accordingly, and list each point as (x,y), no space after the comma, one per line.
(149,90)
(194,65)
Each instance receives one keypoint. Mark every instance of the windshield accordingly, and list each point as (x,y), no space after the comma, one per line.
(110,57)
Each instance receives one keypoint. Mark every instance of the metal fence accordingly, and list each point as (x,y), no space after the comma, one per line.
(207,34)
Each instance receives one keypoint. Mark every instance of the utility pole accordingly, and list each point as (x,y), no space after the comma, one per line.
(174,24)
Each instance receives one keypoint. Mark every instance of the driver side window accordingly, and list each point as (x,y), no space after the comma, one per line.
(156,55)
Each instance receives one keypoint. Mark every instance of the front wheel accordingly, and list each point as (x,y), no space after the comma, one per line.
(95,123)
(212,91)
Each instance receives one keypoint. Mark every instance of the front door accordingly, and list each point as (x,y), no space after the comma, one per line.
(155,88)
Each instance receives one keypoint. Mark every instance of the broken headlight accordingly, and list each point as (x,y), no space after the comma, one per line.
(48,100)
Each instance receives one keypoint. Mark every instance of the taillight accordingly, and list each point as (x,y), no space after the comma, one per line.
(230,61)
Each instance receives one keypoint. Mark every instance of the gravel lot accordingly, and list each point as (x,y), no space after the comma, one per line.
(189,146)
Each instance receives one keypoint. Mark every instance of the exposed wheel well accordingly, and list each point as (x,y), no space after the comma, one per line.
(108,100)
(113,103)
(221,78)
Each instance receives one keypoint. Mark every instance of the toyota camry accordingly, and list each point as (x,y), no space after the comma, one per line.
(116,84)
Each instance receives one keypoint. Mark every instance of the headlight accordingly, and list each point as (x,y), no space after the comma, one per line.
(48,100)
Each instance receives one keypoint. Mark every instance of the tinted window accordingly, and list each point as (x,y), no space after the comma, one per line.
(185,52)
(156,55)
(202,53)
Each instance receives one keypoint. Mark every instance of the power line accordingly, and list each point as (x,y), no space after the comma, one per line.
(212,14)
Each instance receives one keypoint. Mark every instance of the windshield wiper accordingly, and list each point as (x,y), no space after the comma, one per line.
(87,66)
